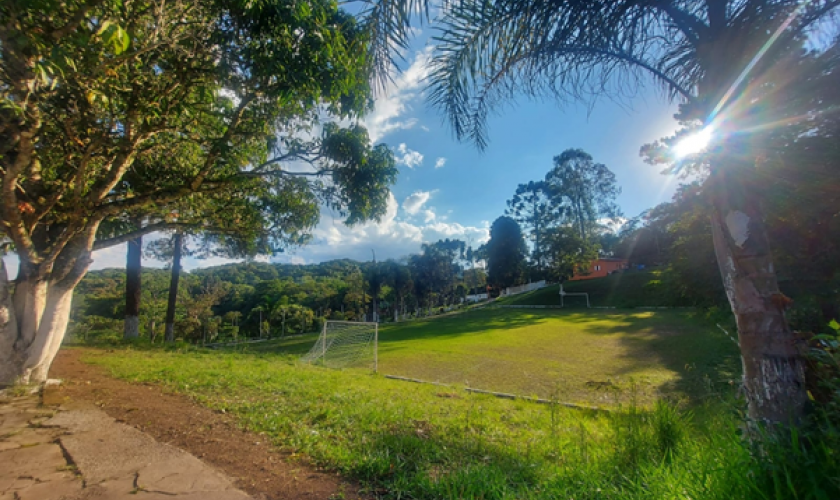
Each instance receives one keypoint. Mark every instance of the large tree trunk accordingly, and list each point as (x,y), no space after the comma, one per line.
(51,330)
(774,369)
(133,268)
(173,289)
(27,350)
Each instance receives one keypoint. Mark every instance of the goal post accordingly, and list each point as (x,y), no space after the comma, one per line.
(343,344)
(564,294)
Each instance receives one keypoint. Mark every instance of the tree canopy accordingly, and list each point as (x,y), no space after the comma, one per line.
(505,252)
(120,119)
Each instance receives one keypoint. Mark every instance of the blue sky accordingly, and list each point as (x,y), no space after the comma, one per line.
(448,189)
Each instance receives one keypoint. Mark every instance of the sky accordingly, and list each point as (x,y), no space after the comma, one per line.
(447,189)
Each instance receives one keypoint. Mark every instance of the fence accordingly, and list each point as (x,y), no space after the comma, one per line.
(530,287)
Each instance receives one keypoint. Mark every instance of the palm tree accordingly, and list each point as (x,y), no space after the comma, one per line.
(703,53)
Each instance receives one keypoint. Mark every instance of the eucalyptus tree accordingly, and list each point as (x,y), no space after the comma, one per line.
(398,277)
(376,276)
(583,190)
(532,206)
(704,54)
(229,92)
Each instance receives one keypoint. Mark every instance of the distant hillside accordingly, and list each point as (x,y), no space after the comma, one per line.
(628,289)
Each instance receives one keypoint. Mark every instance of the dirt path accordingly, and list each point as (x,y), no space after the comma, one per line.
(248,458)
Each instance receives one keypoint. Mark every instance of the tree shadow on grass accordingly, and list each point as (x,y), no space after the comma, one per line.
(705,360)
(468,323)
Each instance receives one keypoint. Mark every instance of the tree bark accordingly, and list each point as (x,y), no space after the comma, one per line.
(51,330)
(173,288)
(29,301)
(133,269)
(11,362)
(774,369)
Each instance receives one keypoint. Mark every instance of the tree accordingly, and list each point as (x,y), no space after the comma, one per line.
(376,277)
(434,271)
(531,206)
(584,190)
(706,53)
(398,277)
(506,252)
(567,253)
(222,91)
(133,291)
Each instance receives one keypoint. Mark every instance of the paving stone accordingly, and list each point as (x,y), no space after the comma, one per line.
(62,489)
(29,465)
(182,475)
(115,461)
(31,436)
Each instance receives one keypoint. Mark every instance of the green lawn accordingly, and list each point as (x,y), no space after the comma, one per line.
(596,357)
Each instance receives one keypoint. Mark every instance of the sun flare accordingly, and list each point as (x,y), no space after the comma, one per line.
(694,143)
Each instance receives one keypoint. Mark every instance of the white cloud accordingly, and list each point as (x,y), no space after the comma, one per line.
(409,158)
(390,238)
(440,162)
(394,103)
(415,201)
(612,225)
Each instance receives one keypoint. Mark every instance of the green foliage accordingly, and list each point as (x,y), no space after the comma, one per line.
(632,288)
(435,270)
(584,190)
(567,252)
(533,207)
(181,115)
(505,252)
(225,302)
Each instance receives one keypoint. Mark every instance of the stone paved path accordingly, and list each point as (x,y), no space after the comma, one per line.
(80,453)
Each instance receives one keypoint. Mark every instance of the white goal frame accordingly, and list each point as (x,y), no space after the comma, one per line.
(564,293)
(325,344)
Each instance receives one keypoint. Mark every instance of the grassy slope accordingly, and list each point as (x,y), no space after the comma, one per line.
(425,442)
(629,289)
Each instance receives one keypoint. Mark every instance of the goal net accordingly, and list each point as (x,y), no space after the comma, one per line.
(345,344)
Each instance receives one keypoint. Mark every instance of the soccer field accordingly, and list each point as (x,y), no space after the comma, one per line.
(595,357)
(588,357)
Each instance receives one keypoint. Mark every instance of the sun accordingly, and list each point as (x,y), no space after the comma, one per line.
(694,143)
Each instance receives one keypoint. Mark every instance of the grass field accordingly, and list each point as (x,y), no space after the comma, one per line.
(414,441)
(597,357)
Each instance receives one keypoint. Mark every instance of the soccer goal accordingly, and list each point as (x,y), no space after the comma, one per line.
(345,344)
(564,294)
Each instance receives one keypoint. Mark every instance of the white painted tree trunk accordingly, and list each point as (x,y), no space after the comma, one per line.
(51,330)
(29,299)
(32,326)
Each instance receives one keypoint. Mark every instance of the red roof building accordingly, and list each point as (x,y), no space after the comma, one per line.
(602,267)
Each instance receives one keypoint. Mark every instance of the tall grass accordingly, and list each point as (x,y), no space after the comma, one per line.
(424,442)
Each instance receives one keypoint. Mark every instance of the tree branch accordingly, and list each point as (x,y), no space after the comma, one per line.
(214,154)
(690,26)
(633,61)
(117,240)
